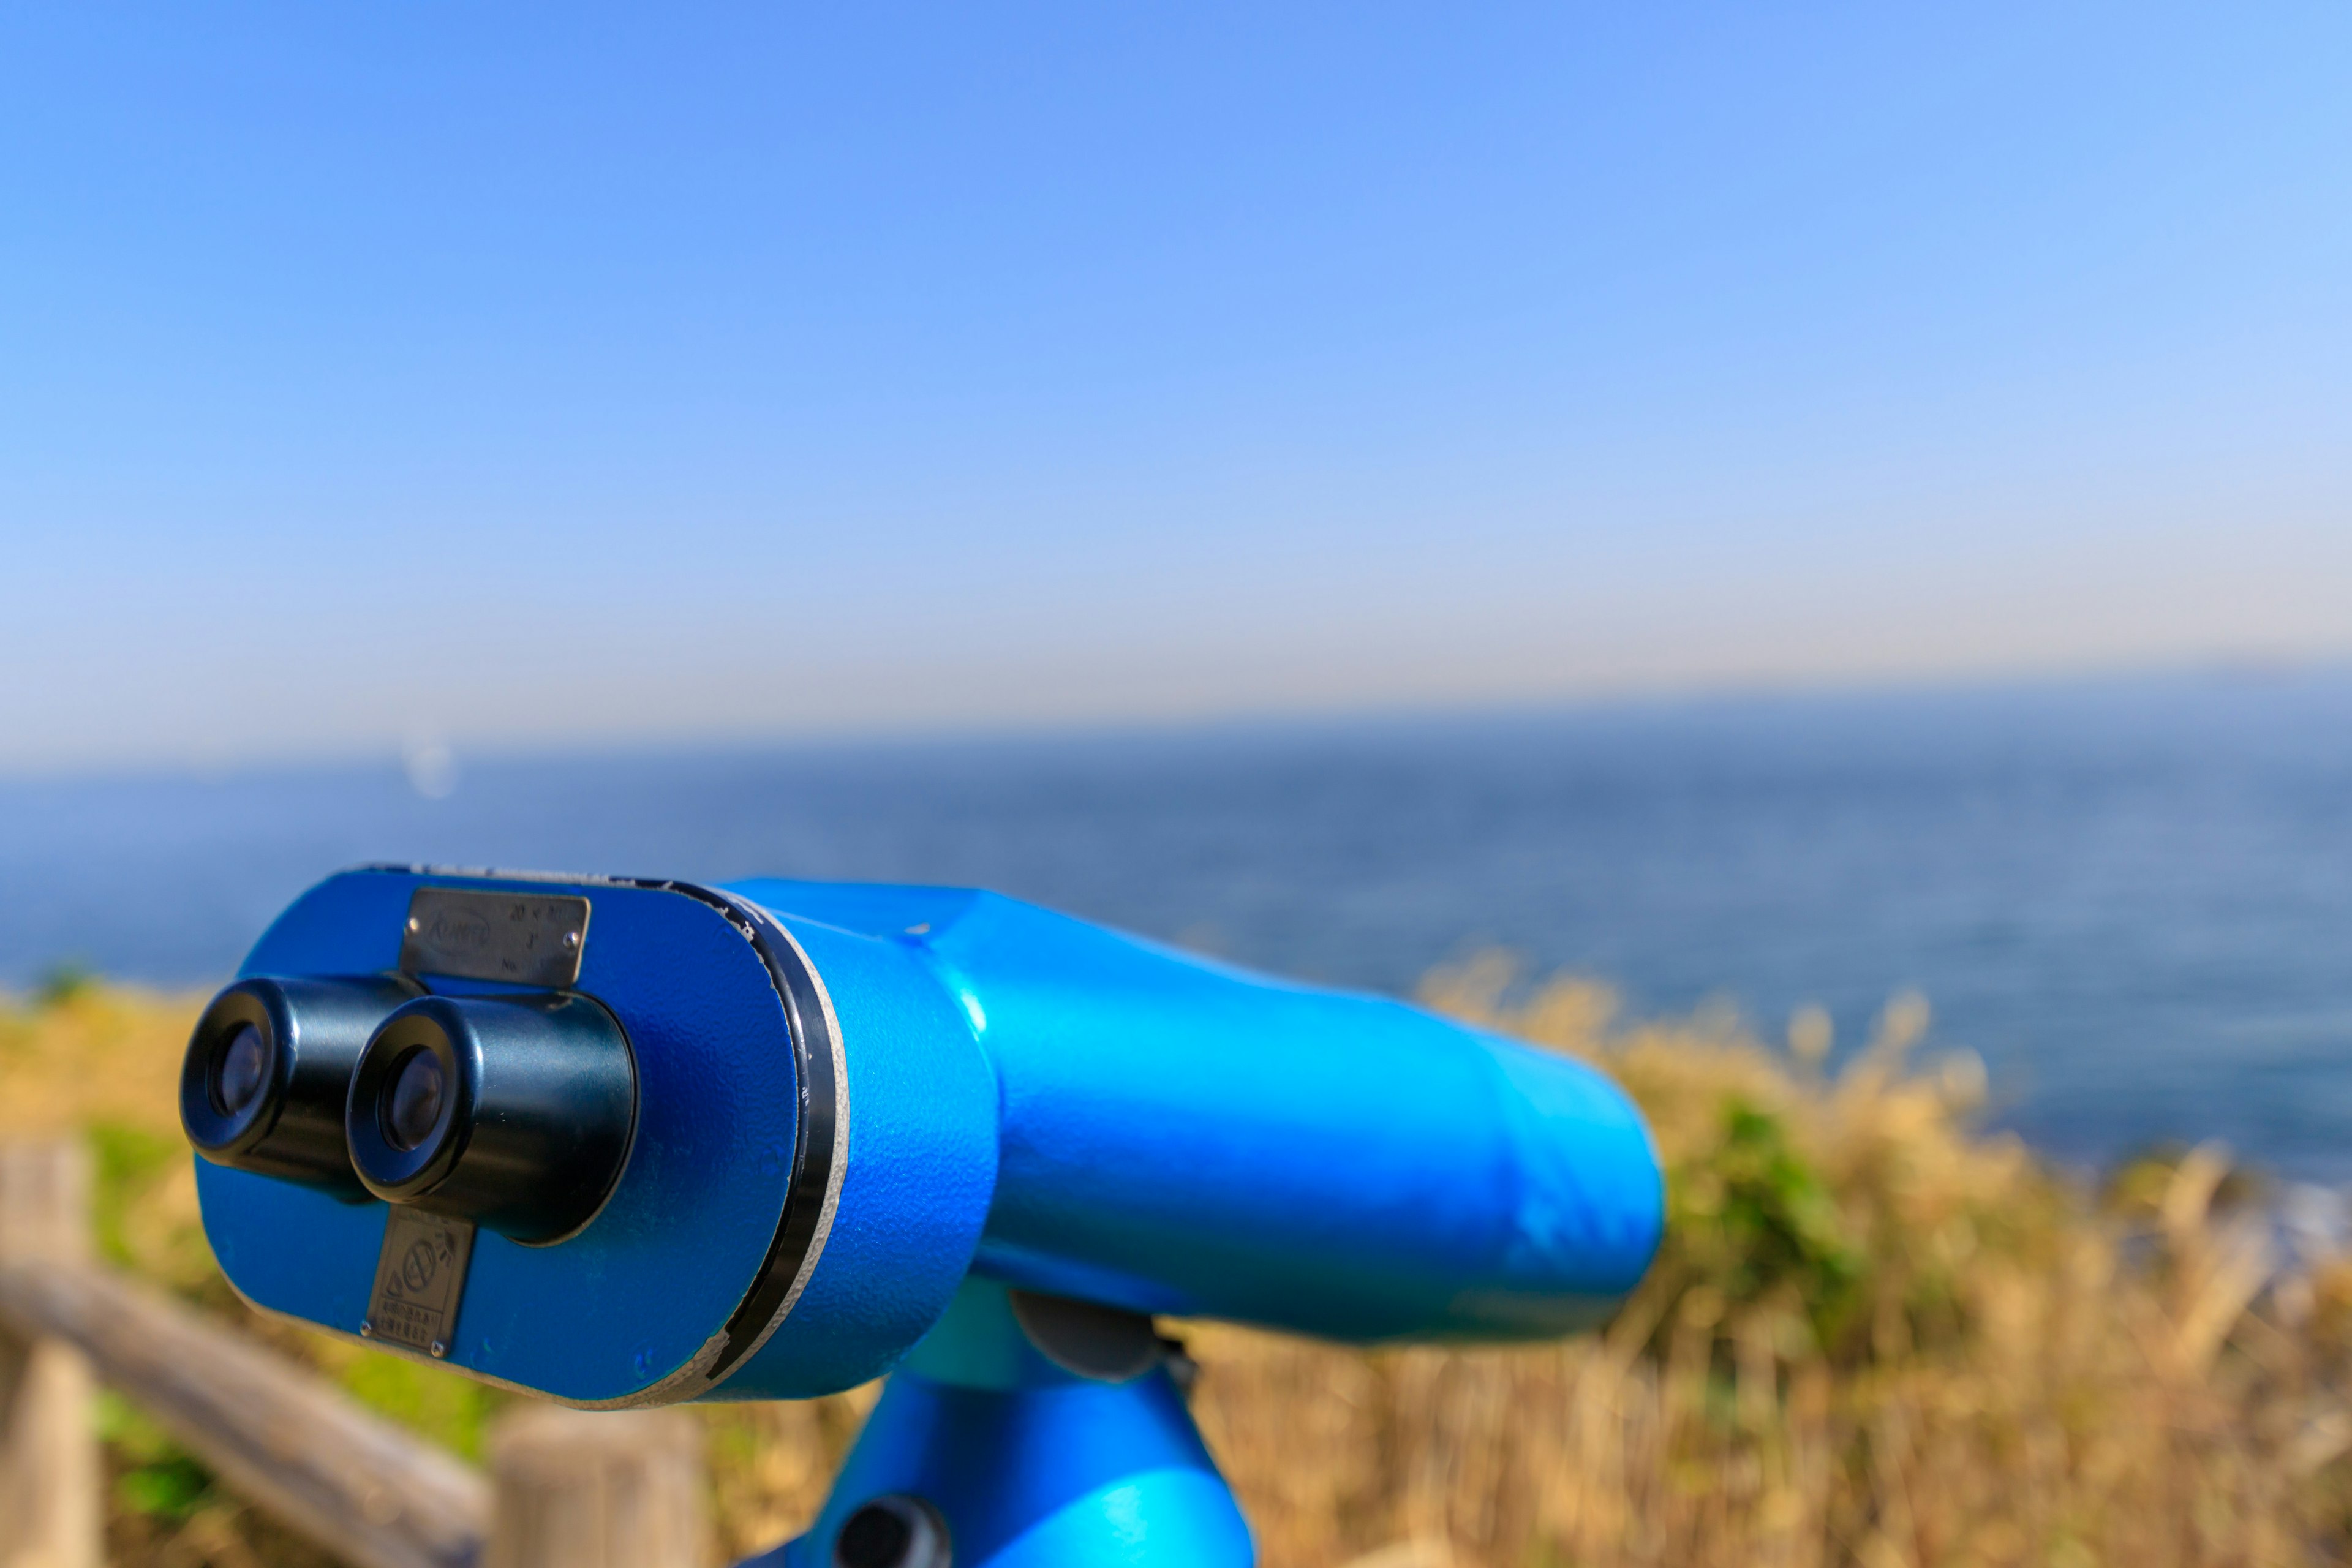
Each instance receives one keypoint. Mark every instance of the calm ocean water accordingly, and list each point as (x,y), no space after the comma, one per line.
(2133,900)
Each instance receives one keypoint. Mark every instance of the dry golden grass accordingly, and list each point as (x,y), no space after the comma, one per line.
(1875,1337)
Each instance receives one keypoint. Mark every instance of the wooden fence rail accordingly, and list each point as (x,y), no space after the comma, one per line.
(566,1488)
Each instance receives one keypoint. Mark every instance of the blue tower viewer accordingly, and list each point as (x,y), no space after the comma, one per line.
(632,1141)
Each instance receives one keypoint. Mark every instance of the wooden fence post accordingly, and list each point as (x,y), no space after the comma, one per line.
(575,1489)
(50,1478)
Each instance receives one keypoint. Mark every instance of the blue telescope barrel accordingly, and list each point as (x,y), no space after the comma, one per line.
(633,1142)
(1179,1136)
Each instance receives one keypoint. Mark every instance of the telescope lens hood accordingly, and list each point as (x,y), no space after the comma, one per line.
(512,1111)
(268,1070)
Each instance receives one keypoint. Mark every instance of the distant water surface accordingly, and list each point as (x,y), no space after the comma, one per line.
(2132,899)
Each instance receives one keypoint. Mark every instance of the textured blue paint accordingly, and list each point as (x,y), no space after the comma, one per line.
(1178,1136)
(922,1164)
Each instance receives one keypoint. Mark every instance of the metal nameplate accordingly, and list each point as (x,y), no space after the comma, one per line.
(527,939)
(420,1278)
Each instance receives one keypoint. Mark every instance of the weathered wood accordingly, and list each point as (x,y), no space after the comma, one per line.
(50,1478)
(578,1489)
(367,1491)
(45,1201)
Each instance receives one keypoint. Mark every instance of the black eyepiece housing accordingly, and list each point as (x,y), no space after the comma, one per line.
(269,1067)
(512,1111)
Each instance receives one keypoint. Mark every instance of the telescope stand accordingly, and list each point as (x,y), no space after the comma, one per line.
(1027,1432)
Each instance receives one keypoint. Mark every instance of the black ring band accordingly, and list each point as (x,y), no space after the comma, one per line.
(812,1051)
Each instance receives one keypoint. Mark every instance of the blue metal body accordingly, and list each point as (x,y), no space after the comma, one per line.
(1178,1136)
(1010,1096)
(1034,1467)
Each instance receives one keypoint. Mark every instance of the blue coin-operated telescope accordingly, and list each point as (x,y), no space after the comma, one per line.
(627,1142)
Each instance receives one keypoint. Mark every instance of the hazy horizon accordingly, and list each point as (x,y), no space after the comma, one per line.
(435,763)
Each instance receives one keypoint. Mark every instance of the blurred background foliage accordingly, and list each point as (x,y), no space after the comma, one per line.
(1875,1335)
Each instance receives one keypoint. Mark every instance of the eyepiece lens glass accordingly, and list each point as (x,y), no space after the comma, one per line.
(876,1536)
(243,1073)
(412,1108)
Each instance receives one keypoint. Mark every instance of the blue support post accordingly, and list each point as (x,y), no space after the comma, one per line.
(1029,1466)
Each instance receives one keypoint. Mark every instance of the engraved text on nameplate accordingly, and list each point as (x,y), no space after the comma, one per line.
(526,938)
(420,1279)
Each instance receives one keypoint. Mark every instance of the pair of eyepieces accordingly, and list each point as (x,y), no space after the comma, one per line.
(514,1111)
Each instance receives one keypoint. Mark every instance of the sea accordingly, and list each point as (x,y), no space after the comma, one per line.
(2130,899)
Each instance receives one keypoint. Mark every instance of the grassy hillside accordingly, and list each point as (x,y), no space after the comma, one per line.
(1875,1337)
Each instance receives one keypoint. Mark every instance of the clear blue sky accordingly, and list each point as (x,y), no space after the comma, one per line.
(600,375)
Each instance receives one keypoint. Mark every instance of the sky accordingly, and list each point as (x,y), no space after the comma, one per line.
(506,376)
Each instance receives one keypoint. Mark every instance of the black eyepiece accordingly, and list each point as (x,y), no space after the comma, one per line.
(267,1070)
(513,1111)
